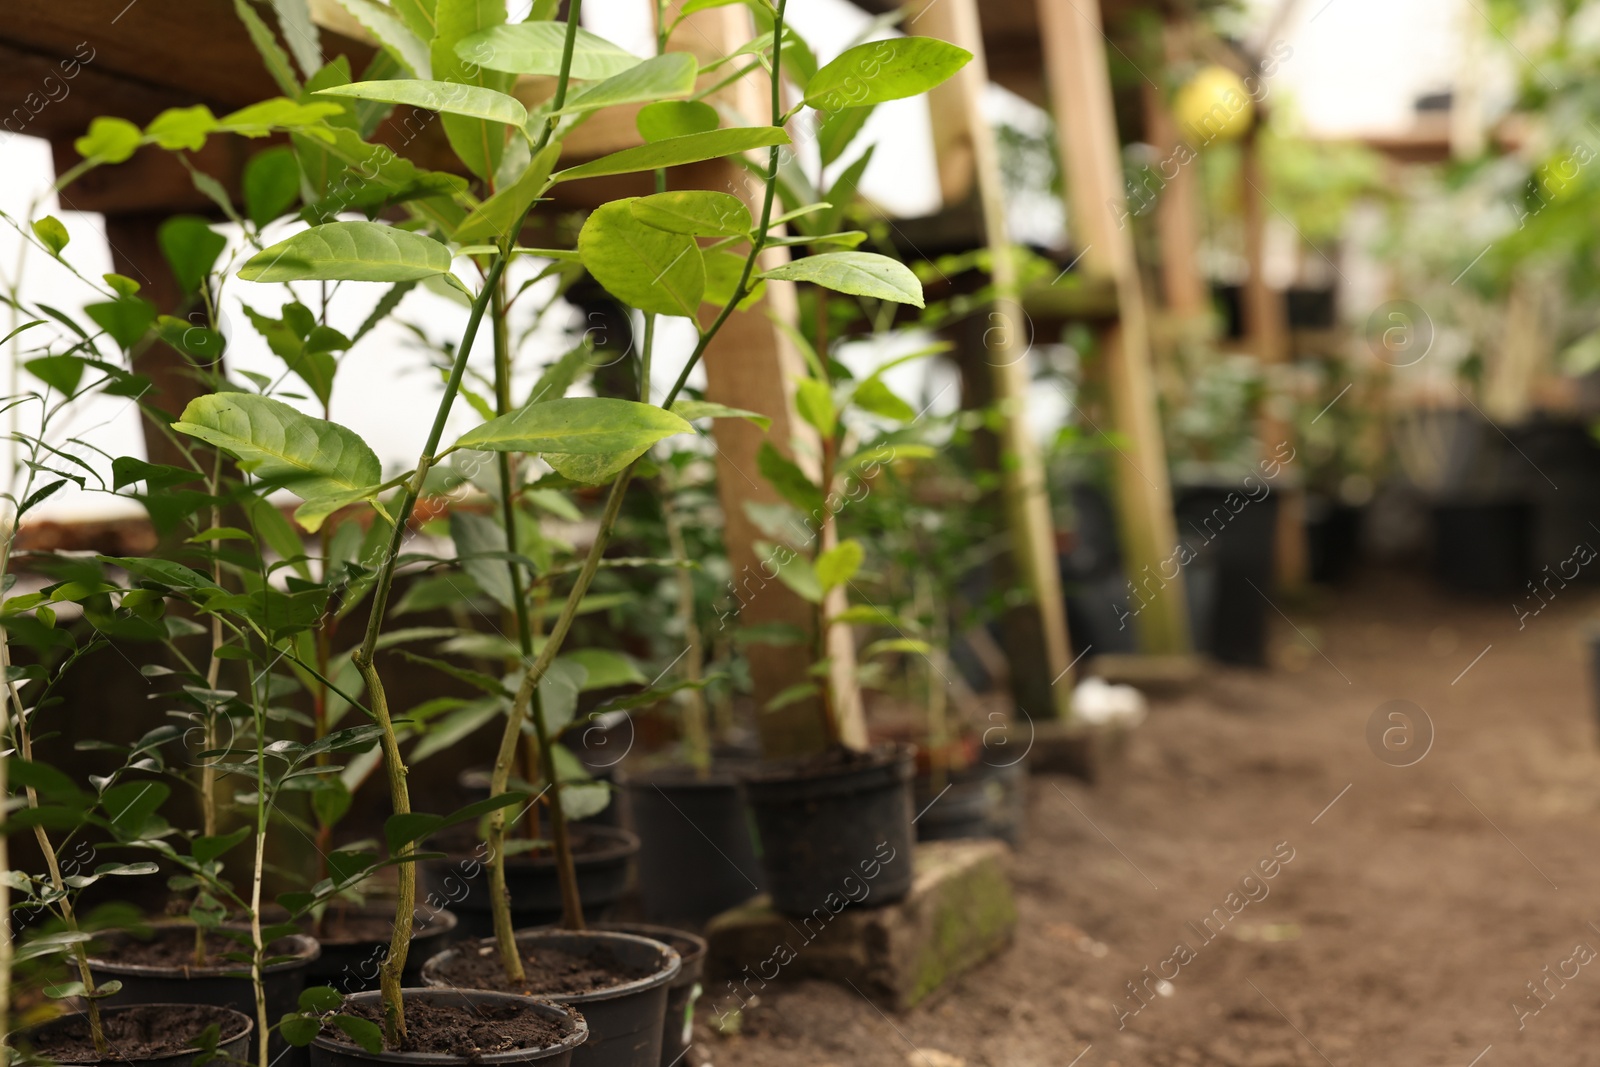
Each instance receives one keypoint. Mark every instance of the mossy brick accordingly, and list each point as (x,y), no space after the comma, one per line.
(959,912)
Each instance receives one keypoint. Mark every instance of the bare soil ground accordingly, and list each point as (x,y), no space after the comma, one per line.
(1419,902)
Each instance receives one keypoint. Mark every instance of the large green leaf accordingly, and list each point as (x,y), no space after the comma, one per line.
(498,216)
(640,265)
(676,151)
(349,251)
(535,48)
(839,564)
(191,248)
(595,469)
(657,78)
(675,118)
(858,273)
(705,409)
(700,212)
(323,463)
(884,70)
(582,425)
(451,98)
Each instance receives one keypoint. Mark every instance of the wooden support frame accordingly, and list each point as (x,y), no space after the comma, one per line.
(1080,93)
(970,157)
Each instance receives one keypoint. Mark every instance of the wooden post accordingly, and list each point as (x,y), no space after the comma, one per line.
(753,365)
(1267,332)
(1183,286)
(1080,94)
(962,133)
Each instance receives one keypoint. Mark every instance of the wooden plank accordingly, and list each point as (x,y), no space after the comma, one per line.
(752,364)
(1183,284)
(1080,92)
(1026,495)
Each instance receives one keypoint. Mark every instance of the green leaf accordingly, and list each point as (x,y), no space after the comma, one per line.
(349,251)
(320,999)
(724,270)
(447,97)
(126,320)
(705,409)
(699,212)
(657,78)
(474,536)
(364,1033)
(109,140)
(895,644)
(478,143)
(792,695)
(558,693)
(272,54)
(874,396)
(789,480)
(294,19)
(675,118)
(52,234)
(419,16)
(640,265)
(61,373)
(857,273)
(884,70)
(814,401)
(839,564)
(535,48)
(837,129)
(593,469)
(585,425)
(676,151)
(392,32)
(279,115)
(866,615)
(271,184)
(207,849)
(182,128)
(323,463)
(604,669)
(498,216)
(191,248)
(301,1030)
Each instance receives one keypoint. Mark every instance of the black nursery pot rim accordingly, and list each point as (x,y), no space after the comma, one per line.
(689,962)
(576,1035)
(246,1029)
(782,780)
(681,776)
(306,950)
(671,964)
(624,844)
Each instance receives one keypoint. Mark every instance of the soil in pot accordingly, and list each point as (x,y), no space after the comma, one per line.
(355,941)
(697,854)
(445,1026)
(677,1031)
(602,855)
(162,970)
(620,982)
(144,1033)
(835,829)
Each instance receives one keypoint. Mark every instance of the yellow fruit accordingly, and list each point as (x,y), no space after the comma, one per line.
(1213,106)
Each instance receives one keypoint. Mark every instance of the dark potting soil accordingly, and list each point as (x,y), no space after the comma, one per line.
(173,947)
(547,970)
(141,1033)
(467,1030)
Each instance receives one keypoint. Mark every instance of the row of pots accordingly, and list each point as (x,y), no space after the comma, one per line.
(640,1021)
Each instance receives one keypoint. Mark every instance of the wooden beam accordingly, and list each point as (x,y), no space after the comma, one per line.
(958,109)
(1080,93)
(1183,284)
(752,364)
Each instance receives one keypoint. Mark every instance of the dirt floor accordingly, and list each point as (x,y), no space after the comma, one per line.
(1408,910)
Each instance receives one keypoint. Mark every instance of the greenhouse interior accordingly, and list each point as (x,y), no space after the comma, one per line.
(800,533)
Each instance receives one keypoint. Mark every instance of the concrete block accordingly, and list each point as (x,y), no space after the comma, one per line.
(1083,750)
(959,913)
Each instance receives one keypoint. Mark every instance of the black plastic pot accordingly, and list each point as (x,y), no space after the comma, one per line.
(236,1029)
(697,854)
(602,856)
(1231,535)
(1333,538)
(980,801)
(677,1031)
(1482,547)
(226,986)
(351,965)
(625,1021)
(835,833)
(326,1052)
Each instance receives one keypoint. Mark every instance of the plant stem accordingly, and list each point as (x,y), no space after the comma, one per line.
(499,899)
(825,529)
(696,732)
(257,871)
(389,975)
